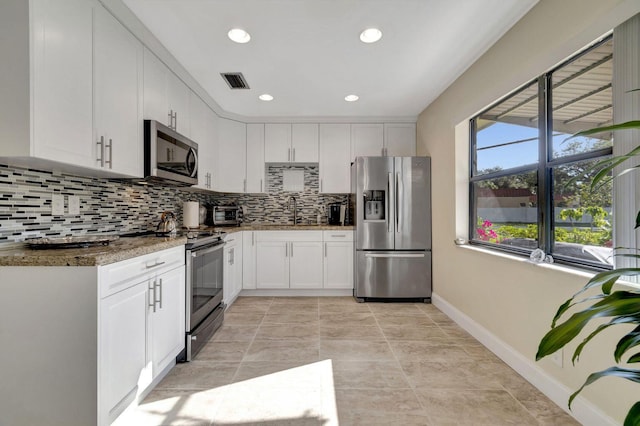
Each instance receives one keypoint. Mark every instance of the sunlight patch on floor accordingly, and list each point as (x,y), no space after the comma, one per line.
(300,395)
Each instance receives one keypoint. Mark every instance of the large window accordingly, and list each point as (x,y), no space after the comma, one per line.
(530,180)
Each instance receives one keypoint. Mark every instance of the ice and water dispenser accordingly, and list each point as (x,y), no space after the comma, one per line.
(374,205)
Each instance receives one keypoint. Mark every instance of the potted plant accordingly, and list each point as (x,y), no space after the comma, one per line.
(619,304)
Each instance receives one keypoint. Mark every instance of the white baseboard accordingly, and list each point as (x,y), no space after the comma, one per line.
(582,410)
(298,292)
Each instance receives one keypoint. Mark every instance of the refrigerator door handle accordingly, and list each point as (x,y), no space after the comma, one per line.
(386,204)
(398,202)
(395,255)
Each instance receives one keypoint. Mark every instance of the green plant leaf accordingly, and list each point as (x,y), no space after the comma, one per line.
(607,278)
(618,303)
(630,340)
(567,305)
(633,319)
(625,373)
(633,124)
(633,416)
(634,358)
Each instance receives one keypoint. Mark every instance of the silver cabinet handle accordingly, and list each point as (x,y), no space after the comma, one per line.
(231,256)
(244,184)
(291,249)
(289,154)
(110,146)
(175,121)
(325,249)
(152,292)
(101,144)
(170,119)
(294,154)
(286,249)
(159,286)
(154,265)
(320,185)
(338,236)
(253,238)
(260,185)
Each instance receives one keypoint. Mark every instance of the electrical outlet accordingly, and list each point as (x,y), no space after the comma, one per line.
(57,204)
(557,357)
(74,204)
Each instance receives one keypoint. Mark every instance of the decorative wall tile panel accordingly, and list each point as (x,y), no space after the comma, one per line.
(119,206)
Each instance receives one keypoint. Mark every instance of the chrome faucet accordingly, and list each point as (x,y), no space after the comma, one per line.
(295,209)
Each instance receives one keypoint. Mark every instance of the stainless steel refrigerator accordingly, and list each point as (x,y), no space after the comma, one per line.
(392,217)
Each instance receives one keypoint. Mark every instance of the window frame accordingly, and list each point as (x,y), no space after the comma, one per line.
(544,167)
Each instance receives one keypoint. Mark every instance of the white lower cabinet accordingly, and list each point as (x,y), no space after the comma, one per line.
(141,326)
(338,259)
(232,268)
(249,260)
(289,259)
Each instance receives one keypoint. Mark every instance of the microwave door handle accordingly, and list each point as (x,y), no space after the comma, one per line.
(194,172)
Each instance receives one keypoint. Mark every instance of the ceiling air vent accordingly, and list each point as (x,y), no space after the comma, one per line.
(235,80)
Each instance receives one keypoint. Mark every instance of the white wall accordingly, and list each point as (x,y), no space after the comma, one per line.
(512,299)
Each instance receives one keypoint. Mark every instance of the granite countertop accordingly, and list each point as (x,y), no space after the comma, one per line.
(116,251)
(127,248)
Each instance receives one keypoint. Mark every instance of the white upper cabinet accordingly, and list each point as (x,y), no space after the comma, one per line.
(335,150)
(400,139)
(178,93)
(291,143)
(62,82)
(256,182)
(118,96)
(166,97)
(232,156)
(367,140)
(277,143)
(304,143)
(202,133)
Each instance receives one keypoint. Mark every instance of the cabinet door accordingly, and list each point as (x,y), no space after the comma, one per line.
(335,167)
(228,275)
(238,261)
(249,260)
(338,264)
(400,139)
(255,159)
(62,81)
(305,267)
(122,344)
(118,94)
(272,264)
(304,143)
(277,143)
(156,101)
(367,140)
(168,321)
(178,94)
(232,156)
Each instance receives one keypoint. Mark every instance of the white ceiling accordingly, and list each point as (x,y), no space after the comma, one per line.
(307,53)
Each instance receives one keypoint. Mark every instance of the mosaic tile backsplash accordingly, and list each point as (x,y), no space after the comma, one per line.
(117,206)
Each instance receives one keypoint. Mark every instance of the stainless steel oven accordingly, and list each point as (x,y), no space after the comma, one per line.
(205,286)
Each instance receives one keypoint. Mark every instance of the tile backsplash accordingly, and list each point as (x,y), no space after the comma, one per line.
(117,206)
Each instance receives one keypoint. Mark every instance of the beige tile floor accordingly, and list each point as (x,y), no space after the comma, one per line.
(332,361)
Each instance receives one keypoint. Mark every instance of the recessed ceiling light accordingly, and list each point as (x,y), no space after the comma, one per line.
(351,98)
(265,97)
(239,35)
(370,35)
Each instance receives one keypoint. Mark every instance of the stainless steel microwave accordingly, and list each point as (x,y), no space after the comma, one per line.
(168,155)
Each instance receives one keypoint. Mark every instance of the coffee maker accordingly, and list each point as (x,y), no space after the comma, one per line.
(334,213)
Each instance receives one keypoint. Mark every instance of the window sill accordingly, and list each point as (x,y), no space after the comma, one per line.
(566,269)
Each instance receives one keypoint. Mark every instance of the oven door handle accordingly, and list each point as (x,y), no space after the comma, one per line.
(197,252)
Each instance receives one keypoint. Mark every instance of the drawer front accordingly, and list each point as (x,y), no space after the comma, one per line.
(121,275)
(289,236)
(337,235)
